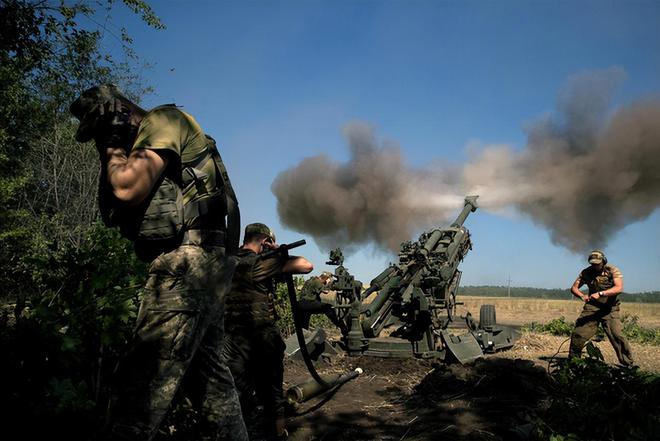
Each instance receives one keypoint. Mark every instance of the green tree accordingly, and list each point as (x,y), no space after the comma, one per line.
(75,284)
(47,57)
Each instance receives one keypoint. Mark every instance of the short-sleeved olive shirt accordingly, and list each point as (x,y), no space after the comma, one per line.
(171,129)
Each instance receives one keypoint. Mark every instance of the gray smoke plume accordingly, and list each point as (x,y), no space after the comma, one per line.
(374,197)
(584,174)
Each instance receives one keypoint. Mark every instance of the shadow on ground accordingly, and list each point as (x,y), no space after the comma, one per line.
(492,399)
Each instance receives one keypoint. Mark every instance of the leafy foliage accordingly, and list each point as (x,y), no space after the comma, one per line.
(284,312)
(634,332)
(61,350)
(70,286)
(595,401)
(47,57)
(557,326)
(631,329)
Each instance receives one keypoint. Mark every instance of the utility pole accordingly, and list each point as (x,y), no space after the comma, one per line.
(508,287)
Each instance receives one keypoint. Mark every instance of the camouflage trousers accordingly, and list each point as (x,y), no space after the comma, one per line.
(587,325)
(256,360)
(178,336)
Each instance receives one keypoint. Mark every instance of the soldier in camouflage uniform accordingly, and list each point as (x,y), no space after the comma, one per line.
(165,186)
(310,301)
(605,283)
(254,348)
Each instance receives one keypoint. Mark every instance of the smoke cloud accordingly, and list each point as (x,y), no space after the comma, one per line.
(584,174)
(374,197)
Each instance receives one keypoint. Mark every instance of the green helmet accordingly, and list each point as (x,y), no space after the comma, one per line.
(596,257)
(259,228)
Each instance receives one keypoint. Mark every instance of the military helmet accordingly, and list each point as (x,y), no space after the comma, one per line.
(259,228)
(94,104)
(596,257)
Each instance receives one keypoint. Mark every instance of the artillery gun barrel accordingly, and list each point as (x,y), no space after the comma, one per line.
(380,281)
(381,298)
(470,206)
(432,242)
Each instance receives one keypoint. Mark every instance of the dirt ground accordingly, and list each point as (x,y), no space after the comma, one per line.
(491,399)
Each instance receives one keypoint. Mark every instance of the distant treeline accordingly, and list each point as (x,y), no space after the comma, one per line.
(543,293)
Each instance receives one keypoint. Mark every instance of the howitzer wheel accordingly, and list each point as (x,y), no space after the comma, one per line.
(487,316)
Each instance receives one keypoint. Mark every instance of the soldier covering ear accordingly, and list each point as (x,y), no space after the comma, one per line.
(149,162)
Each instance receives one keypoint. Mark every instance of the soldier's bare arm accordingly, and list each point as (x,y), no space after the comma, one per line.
(297,265)
(575,289)
(616,289)
(133,177)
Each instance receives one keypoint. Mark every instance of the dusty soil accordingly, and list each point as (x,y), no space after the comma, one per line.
(492,399)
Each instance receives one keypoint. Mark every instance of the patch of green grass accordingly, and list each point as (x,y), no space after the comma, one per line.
(595,401)
(557,326)
(631,329)
(639,334)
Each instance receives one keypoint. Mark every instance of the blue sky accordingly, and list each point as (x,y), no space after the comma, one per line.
(276,81)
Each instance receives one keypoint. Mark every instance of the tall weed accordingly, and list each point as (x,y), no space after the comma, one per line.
(633,331)
(596,401)
(60,351)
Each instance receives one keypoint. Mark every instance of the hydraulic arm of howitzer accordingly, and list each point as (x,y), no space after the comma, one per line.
(428,272)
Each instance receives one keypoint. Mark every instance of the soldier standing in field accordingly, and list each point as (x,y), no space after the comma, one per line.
(164,185)
(254,348)
(601,305)
(311,303)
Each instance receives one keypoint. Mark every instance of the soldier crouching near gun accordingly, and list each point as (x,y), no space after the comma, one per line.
(605,283)
(254,348)
(164,185)
(310,301)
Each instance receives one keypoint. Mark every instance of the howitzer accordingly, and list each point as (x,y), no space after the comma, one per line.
(423,283)
(418,295)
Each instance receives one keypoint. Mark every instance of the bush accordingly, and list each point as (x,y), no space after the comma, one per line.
(60,351)
(595,401)
(284,313)
(631,329)
(634,332)
(555,327)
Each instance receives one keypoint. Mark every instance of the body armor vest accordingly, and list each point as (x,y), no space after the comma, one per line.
(158,225)
(600,281)
(249,303)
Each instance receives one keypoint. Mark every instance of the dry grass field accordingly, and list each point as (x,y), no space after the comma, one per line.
(519,311)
